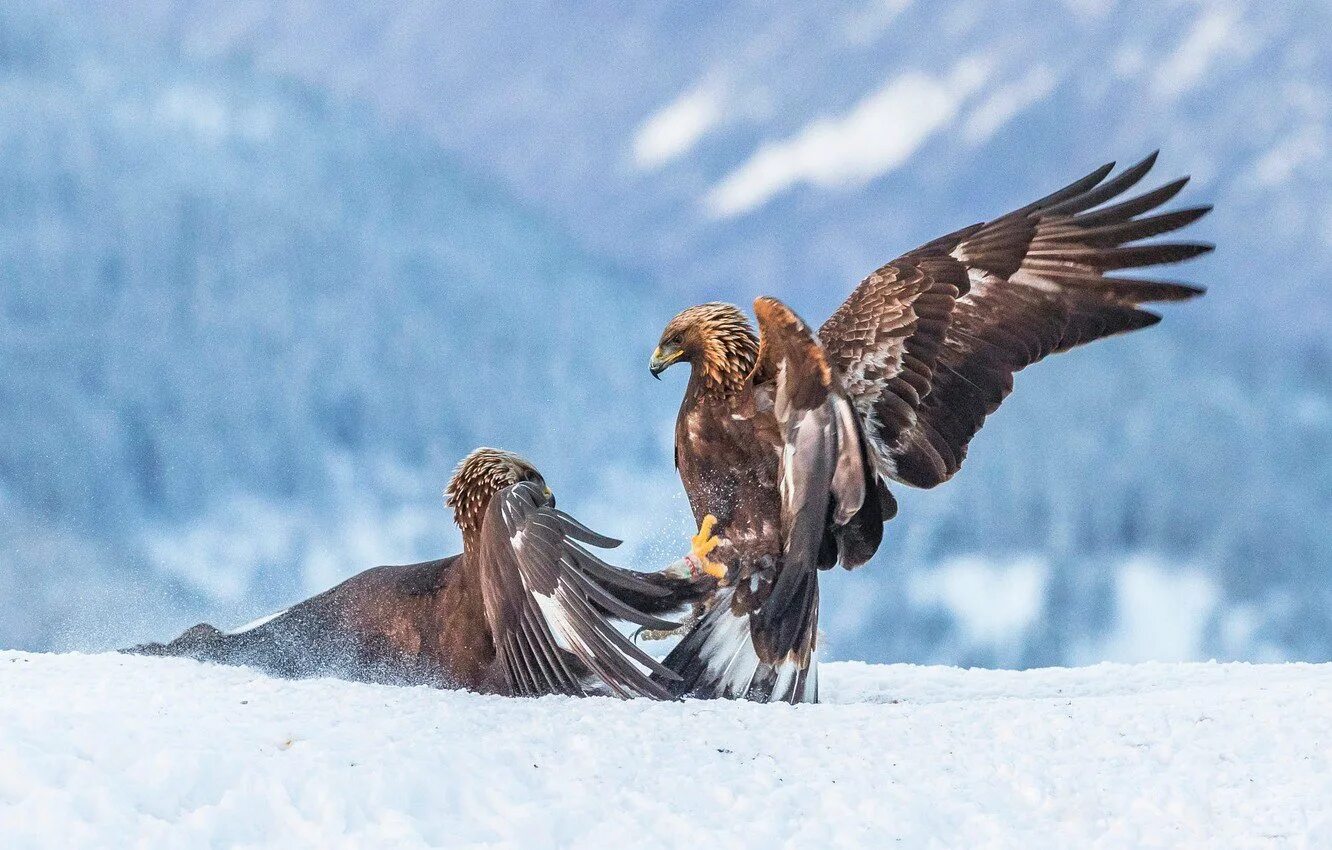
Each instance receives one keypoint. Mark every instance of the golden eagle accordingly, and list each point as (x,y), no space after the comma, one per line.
(784,438)
(525,609)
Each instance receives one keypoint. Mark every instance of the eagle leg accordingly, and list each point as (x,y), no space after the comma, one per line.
(702,544)
(701,573)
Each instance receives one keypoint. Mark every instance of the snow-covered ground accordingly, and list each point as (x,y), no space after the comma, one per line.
(110,751)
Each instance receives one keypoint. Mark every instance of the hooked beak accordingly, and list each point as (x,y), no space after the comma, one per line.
(663,360)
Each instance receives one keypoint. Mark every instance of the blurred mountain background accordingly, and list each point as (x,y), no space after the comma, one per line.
(270,268)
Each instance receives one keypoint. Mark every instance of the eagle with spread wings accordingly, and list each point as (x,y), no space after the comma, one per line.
(526,609)
(785,438)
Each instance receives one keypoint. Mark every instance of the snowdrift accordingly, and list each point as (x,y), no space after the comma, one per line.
(111,751)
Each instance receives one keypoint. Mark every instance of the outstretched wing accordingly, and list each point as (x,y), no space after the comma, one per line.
(929,343)
(544,597)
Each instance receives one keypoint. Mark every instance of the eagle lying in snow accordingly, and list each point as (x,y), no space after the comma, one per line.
(784,438)
(523,611)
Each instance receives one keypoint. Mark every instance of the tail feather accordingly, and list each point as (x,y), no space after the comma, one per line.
(728,655)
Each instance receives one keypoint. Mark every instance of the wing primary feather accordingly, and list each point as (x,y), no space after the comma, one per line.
(1136,256)
(604,572)
(1110,235)
(1125,180)
(575,529)
(528,644)
(539,637)
(528,684)
(621,663)
(615,606)
(1072,190)
(1133,206)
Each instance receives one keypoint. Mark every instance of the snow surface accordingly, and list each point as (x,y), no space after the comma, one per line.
(111,751)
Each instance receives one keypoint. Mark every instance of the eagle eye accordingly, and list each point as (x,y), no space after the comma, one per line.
(677,339)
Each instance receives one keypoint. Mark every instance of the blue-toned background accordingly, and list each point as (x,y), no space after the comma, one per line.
(268,269)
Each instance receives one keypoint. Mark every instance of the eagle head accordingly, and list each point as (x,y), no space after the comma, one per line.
(480,475)
(715,339)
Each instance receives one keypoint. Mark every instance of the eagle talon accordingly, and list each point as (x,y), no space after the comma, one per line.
(702,544)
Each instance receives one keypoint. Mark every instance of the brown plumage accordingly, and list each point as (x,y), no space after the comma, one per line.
(923,350)
(524,610)
(776,455)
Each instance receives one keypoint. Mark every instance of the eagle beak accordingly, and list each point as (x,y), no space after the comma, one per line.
(662,360)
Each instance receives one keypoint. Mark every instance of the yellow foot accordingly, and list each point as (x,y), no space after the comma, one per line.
(702,544)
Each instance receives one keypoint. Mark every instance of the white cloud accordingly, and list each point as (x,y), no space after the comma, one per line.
(675,129)
(1005,102)
(1212,36)
(875,137)
(1284,160)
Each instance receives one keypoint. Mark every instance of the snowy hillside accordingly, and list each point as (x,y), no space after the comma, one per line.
(788,145)
(106,751)
(247,333)
(270,268)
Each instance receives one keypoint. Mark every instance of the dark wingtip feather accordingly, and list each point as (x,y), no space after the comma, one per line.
(1124,232)
(604,572)
(1148,162)
(1150,254)
(1146,320)
(1072,190)
(580,532)
(1138,291)
(1102,192)
(618,608)
(1125,210)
